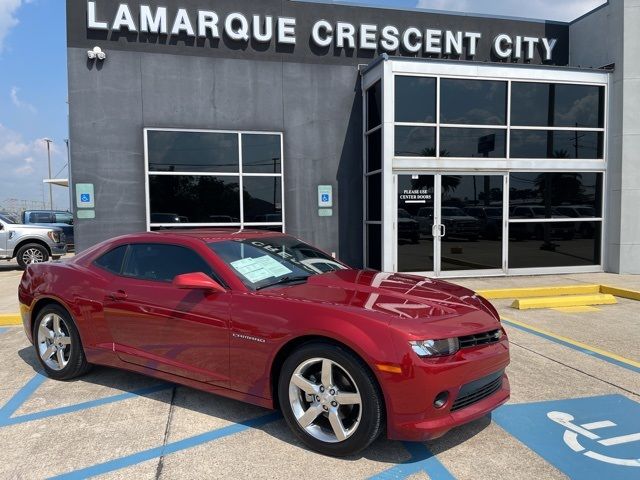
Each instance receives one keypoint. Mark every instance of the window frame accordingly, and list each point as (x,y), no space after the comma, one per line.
(240,174)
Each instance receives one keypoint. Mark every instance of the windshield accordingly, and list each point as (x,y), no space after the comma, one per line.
(453,212)
(265,262)
(10,219)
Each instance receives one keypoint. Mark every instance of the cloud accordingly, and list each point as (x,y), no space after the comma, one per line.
(8,20)
(23,164)
(19,103)
(562,10)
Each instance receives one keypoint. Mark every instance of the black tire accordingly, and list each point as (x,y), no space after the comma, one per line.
(372,407)
(23,254)
(77,362)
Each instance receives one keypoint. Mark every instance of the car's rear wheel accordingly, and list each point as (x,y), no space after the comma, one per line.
(330,399)
(31,253)
(58,345)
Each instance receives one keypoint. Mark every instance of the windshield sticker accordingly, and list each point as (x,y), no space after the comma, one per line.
(258,269)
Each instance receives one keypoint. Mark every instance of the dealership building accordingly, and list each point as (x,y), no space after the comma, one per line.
(447,144)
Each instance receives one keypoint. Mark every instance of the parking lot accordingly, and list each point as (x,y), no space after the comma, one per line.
(574,412)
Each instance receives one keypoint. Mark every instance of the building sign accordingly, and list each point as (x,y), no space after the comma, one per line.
(257,29)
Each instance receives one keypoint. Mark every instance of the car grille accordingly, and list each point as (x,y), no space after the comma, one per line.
(480,339)
(479,390)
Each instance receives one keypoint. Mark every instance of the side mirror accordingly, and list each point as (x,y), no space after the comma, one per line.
(197,281)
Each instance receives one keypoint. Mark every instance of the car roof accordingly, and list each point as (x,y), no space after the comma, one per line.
(210,235)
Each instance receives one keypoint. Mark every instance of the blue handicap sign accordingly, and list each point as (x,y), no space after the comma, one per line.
(596,437)
(85,198)
(325,197)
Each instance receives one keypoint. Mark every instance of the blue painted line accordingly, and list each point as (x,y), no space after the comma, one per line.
(22,396)
(422,460)
(591,353)
(4,422)
(2,330)
(174,447)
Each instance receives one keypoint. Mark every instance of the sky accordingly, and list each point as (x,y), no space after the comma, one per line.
(33,83)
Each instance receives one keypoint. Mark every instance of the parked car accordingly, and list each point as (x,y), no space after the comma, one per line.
(345,354)
(29,244)
(457,223)
(584,229)
(55,218)
(490,219)
(538,230)
(168,218)
(408,227)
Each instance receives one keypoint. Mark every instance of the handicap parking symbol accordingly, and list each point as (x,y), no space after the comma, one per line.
(325,197)
(85,198)
(597,437)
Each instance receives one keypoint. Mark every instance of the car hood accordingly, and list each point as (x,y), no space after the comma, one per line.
(465,218)
(409,302)
(42,228)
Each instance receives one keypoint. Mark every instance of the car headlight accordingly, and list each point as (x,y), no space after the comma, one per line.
(54,236)
(435,348)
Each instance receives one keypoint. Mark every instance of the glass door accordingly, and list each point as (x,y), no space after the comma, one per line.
(471,228)
(451,225)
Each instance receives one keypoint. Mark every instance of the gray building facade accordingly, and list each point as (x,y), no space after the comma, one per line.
(246,114)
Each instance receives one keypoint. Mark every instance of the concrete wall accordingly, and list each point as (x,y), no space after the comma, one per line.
(611,35)
(111,104)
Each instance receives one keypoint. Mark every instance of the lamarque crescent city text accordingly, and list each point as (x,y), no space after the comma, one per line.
(241,27)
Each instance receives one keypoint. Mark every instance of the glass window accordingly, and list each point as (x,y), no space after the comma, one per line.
(540,244)
(557,105)
(112,260)
(415,142)
(195,199)
(374,151)
(261,153)
(374,247)
(415,99)
(374,106)
(374,197)
(262,199)
(535,195)
(160,262)
(40,217)
(192,152)
(63,217)
(473,102)
(472,142)
(266,262)
(556,144)
(415,221)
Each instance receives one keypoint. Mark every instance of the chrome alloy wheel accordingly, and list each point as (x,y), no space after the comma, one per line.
(54,341)
(325,400)
(32,255)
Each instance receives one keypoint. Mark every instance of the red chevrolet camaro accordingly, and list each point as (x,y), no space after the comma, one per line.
(267,319)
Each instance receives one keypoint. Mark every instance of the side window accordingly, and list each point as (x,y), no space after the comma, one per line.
(64,218)
(160,262)
(112,260)
(40,217)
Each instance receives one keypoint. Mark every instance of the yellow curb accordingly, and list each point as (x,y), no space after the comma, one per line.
(10,320)
(620,292)
(563,301)
(574,342)
(540,291)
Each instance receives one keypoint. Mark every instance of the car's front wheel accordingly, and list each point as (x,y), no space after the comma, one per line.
(31,253)
(58,345)
(330,399)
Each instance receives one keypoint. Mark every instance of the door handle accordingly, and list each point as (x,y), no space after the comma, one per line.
(120,295)
(435,231)
(443,229)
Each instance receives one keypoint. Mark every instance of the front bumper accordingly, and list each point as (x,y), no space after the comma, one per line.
(58,249)
(412,415)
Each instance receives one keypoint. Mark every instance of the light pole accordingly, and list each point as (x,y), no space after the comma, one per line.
(48,141)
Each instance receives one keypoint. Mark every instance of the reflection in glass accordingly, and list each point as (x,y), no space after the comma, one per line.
(559,105)
(192,152)
(374,151)
(374,106)
(261,153)
(473,102)
(472,215)
(473,142)
(535,195)
(195,199)
(556,144)
(262,199)
(374,197)
(415,99)
(415,142)
(374,247)
(415,222)
(570,244)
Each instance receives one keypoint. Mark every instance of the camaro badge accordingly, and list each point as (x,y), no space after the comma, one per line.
(249,337)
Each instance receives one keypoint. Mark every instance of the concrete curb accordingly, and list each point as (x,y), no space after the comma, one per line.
(8,320)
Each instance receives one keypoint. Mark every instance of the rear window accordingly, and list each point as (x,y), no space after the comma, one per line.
(40,217)
(112,260)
